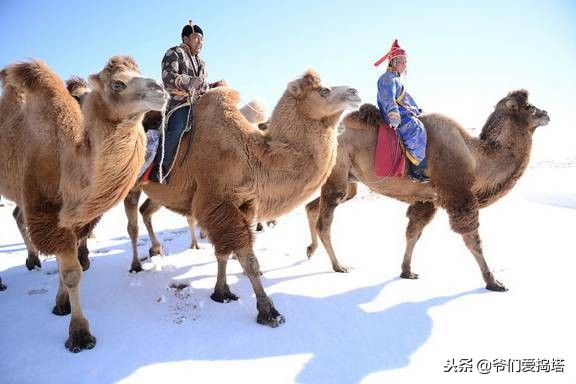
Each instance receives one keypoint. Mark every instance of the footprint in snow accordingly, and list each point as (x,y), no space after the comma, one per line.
(37,291)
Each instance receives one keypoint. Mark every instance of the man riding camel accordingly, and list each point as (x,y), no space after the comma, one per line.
(400,111)
(184,77)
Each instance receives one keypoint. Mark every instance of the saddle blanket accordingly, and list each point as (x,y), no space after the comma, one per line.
(389,159)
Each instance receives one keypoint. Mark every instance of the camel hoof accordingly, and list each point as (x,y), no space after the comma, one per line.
(2,286)
(62,309)
(341,269)
(136,268)
(496,286)
(194,246)
(310,251)
(80,340)
(267,314)
(33,262)
(224,297)
(409,275)
(272,319)
(155,251)
(85,264)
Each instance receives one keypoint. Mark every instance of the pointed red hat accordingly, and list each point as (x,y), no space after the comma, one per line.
(395,51)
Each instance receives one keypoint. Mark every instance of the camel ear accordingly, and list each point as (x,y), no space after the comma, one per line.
(95,81)
(294,88)
(511,105)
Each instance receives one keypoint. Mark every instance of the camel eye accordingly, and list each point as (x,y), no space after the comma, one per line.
(324,92)
(118,86)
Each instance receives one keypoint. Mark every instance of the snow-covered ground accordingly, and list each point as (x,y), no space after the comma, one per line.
(365,326)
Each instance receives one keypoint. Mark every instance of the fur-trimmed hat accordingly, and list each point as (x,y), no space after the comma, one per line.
(395,51)
(191,28)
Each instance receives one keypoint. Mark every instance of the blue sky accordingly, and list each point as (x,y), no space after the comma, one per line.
(463,57)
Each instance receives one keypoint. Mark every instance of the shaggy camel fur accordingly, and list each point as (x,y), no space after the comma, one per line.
(466,174)
(65,167)
(254,111)
(234,167)
(33,261)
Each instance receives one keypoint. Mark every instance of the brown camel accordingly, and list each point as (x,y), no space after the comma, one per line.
(65,167)
(234,167)
(254,111)
(466,174)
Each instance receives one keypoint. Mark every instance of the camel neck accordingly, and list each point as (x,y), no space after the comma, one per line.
(307,132)
(505,147)
(114,152)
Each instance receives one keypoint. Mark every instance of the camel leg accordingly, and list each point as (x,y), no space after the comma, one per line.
(229,231)
(42,219)
(32,261)
(267,313)
(222,292)
(462,207)
(419,215)
(147,209)
(62,305)
(474,244)
(312,212)
(329,200)
(192,224)
(2,286)
(70,276)
(83,253)
(131,209)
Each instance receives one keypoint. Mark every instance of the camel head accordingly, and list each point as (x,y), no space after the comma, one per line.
(125,91)
(516,105)
(316,101)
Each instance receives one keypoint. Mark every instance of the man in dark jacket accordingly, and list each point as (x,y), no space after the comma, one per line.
(184,77)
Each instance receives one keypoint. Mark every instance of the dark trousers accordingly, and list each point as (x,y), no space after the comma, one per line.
(174,128)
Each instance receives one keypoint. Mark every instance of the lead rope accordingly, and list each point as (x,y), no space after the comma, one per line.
(163,136)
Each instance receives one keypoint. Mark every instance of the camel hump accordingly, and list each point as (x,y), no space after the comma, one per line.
(33,77)
(219,96)
(366,117)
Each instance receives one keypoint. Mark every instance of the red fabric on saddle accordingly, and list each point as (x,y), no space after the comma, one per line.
(389,159)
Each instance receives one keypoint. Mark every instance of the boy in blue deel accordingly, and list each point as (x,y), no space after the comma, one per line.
(400,111)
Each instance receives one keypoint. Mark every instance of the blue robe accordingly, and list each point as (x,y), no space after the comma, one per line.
(399,110)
